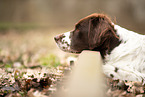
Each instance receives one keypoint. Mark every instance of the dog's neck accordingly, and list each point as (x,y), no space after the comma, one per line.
(108,45)
(129,52)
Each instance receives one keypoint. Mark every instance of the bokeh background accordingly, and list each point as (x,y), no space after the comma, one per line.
(65,13)
(27,46)
(31,24)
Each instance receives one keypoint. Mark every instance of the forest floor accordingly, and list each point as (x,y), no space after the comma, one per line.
(31,65)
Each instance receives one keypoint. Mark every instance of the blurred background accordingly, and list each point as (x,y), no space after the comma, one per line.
(54,14)
(30,25)
(27,28)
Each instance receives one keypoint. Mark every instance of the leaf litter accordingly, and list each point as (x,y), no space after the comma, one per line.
(30,71)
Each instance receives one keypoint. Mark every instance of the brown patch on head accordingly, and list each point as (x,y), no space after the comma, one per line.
(102,36)
(94,32)
(95,15)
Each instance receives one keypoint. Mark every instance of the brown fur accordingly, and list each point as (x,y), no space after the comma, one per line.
(94,32)
(96,15)
(98,34)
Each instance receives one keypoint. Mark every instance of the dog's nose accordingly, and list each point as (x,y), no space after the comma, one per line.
(56,38)
(59,37)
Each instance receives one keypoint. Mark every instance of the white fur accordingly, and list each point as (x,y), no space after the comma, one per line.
(64,44)
(128,57)
(67,37)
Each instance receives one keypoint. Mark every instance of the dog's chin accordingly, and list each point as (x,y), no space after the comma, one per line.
(75,52)
(70,50)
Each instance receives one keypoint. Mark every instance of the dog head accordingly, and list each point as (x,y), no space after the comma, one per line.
(94,32)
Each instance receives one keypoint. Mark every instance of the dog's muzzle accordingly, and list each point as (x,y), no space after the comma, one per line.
(63,41)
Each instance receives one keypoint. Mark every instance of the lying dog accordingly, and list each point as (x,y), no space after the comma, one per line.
(122,51)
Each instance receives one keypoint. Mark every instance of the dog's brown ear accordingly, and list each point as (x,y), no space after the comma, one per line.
(100,29)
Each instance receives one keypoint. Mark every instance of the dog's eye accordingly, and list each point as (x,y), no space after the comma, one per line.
(77,26)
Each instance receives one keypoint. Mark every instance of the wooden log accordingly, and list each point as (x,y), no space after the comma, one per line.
(87,77)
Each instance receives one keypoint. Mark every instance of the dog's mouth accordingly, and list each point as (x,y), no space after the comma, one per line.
(70,51)
(64,43)
(67,49)
(76,52)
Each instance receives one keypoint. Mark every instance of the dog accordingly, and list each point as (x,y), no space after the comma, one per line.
(122,50)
